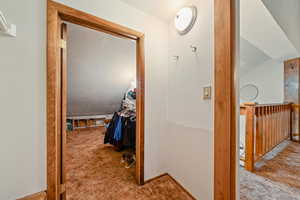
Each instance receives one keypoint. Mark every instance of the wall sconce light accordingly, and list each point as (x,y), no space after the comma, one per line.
(185,19)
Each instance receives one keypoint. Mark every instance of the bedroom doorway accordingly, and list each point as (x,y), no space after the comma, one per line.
(57,87)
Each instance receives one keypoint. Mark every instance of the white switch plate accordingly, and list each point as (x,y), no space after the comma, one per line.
(207,92)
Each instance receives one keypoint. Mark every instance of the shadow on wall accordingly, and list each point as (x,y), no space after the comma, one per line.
(101,68)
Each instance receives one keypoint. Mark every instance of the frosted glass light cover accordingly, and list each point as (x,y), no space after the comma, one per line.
(185,19)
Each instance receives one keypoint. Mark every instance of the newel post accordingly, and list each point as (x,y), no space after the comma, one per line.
(250,133)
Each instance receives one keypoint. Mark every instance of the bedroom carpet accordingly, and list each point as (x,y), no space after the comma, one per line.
(277,176)
(94,172)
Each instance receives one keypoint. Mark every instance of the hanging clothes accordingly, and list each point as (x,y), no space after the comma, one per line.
(118,130)
(121,131)
(110,131)
(129,132)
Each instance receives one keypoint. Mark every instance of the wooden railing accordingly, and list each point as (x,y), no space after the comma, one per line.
(266,127)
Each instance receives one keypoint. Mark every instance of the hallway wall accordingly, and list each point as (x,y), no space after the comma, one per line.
(23,100)
(187,150)
(269,79)
(176,114)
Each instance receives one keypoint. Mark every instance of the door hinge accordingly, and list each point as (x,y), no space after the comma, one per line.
(62,188)
(63,44)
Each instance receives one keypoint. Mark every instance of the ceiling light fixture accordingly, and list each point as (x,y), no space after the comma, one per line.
(185,19)
(5,28)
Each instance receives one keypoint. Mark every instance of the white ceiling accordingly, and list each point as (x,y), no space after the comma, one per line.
(287,15)
(250,56)
(262,38)
(163,9)
(260,28)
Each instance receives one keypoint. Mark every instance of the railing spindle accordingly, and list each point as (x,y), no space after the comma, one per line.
(266,127)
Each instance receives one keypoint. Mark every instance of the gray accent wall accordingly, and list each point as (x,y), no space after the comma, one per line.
(100,70)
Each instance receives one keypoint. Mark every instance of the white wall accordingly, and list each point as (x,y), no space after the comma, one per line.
(23,91)
(101,68)
(178,122)
(269,78)
(187,148)
(22,96)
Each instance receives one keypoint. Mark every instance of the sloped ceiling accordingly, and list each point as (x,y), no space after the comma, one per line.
(260,28)
(100,70)
(287,15)
(250,55)
(262,37)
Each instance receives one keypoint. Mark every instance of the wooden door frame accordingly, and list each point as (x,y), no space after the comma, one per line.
(226,18)
(57,12)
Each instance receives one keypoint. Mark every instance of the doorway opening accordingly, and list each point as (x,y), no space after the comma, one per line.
(57,89)
(101,113)
(269,98)
(267,126)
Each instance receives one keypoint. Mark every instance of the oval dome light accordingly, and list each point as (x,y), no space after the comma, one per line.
(185,19)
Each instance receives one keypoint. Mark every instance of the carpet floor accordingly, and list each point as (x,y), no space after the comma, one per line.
(94,172)
(277,176)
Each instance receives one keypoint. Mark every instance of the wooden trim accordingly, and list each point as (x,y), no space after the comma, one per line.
(174,181)
(87,20)
(156,177)
(179,185)
(249,157)
(37,196)
(64,102)
(225,151)
(56,13)
(266,127)
(140,59)
(52,103)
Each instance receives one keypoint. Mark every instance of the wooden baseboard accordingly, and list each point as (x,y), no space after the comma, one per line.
(43,195)
(176,183)
(37,196)
(156,177)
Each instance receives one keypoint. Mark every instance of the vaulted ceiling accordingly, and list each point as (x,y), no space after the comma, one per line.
(287,15)
(262,36)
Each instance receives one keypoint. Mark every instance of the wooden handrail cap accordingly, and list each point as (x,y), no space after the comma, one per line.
(249,103)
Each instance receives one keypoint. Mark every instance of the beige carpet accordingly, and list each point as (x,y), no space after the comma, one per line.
(94,172)
(277,176)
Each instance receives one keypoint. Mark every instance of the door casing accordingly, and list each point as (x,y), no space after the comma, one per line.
(225,96)
(56,106)
(226,109)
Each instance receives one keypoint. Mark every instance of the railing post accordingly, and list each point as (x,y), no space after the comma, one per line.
(250,131)
(291,121)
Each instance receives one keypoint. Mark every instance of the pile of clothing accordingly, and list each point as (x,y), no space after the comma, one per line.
(122,128)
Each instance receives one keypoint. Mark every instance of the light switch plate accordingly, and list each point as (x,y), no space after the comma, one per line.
(207,93)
